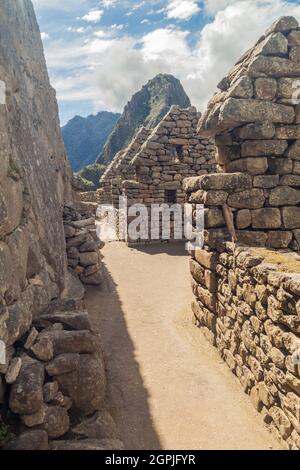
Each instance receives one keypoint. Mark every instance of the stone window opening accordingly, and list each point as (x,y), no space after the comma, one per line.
(170,196)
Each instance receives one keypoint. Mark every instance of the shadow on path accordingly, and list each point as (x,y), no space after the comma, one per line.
(127,397)
(170,249)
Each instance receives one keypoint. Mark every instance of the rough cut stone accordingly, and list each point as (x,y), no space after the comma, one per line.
(56,422)
(283,25)
(225,181)
(99,426)
(83,342)
(291,217)
(284,195)
(72,320)
(256,148)
(13,370)
(238,111)
(266,218)
(63,364)
(248,199)
(265,88)
(256,130)
(274,44)
(86,385)
(29,440)
(87,445)
(26,396)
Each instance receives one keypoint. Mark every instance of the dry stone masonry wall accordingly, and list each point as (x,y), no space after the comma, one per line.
(256,120)
(52,374)
(250,310)
(246,279)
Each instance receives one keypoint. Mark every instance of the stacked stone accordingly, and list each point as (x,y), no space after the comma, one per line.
(82,246)
(250,310)
(258,205)
(59,375)
(256,120)
(172,152)
(120,169)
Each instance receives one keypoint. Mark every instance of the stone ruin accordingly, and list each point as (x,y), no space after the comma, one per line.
(52,373)
(151,170)
(246,279)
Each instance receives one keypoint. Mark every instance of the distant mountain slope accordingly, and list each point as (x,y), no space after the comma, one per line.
(145,109)
(84,137)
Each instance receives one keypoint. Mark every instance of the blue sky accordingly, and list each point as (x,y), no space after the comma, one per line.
(99,52)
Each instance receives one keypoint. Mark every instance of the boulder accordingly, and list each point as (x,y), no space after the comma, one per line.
(99,426)
(87,444)
(56,422)
(29,440)
(86,385)
(43,349)
(63,364)
(50,390)
(13,370)
(71,320)
(82,342)
(35,419)
(248,199)
(283,25)
(26,396)
(89,258)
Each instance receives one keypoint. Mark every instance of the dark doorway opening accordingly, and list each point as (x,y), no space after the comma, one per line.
(170,196)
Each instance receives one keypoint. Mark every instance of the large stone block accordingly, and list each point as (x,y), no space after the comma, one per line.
(26,396)
(247,199)
(274,44)
(208,259)
(291,217)
(256,130)
(256,148)
(284,195)
(283,24)
(223,181)
(252,166)
(235,111)
(266,218)
(265,88)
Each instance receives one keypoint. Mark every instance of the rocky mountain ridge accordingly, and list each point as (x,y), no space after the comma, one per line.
(145,109)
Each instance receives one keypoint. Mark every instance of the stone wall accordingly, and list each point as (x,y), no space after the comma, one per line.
(246,279)
(173,152)
(82,245)
(248,307)
(255,119)
(34,177)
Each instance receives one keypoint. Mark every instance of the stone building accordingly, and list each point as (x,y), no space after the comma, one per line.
(151,170)
(246,279)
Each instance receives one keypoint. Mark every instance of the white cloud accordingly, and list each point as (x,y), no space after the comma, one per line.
(109,3)
(182,9)
(213,6)
(80,30)
(108,70)
(93,16)
(101,34)
(44,36)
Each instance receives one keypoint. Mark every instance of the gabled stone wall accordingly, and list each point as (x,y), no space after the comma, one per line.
(256,120)
(173,152)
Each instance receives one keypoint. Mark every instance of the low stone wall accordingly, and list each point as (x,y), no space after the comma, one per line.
(250,310)
(57,385)
(82,246)
(91,196)
(248,298)
(260,205)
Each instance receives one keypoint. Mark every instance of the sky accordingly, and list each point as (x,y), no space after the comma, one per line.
(100,52)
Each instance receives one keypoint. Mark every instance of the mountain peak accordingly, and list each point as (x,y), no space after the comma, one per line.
(145,109)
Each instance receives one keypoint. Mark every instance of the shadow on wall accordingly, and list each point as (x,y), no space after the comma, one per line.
(127,397)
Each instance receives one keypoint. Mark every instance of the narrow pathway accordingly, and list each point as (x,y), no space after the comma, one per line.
(168,388)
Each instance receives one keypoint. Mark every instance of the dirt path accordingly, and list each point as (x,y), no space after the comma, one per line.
(168,388)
